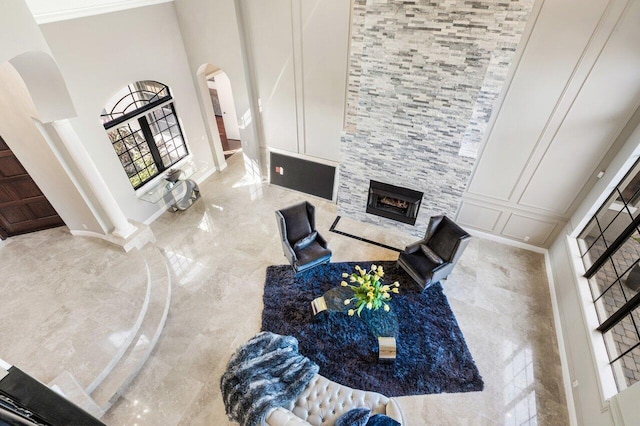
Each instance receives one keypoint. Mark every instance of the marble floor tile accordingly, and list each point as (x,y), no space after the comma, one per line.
(218,252)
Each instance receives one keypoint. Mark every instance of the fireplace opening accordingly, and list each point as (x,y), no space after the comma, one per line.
(393,202)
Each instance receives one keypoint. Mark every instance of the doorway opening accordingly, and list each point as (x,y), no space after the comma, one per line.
(23,206)
(220,109)
(225,112)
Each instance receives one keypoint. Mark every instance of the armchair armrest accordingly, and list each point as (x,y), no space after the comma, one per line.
(286,247)
(413,247)
(320,239)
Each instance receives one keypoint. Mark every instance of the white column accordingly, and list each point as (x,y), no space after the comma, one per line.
(92,176)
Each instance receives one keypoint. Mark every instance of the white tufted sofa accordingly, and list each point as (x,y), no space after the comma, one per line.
(323,401)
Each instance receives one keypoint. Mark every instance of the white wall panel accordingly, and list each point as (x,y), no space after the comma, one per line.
(272,48)
(325,35)
(528,229)
(477,216)
(608,98)
(558,39)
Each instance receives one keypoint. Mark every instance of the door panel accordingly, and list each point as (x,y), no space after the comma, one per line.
(23,207)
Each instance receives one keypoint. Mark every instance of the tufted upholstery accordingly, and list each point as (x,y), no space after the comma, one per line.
(323,401)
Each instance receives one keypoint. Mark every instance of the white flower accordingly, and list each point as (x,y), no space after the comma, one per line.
(347,301)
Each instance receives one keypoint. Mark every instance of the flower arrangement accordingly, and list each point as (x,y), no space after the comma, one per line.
(368,290)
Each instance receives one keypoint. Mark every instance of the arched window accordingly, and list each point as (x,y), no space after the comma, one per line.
(143,127)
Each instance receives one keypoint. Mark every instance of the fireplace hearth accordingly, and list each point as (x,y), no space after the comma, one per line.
(393,202)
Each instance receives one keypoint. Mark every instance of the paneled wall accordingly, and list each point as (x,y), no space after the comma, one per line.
(423,80)
(299,53)
(575,88)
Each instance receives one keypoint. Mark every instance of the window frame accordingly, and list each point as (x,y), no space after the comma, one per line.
(139,116)
(632,304)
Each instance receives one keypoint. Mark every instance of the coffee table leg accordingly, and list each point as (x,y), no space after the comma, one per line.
(386,349)
(318,305)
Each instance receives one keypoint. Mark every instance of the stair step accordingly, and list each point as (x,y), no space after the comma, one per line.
(142,344)
(66,385)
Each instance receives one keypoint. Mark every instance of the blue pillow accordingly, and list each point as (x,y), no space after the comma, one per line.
(381,420)
(306,241)
(355,417)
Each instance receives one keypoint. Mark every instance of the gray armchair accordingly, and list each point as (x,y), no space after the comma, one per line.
(303,246)
(432,259)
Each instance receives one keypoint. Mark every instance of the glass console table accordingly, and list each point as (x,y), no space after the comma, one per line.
(180,192)
(382,324)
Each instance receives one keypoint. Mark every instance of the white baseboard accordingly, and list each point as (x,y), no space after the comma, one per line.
(503,240)
(84,233)
(564,361)
(156,215)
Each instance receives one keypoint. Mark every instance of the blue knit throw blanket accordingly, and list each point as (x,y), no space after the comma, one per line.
(265,373)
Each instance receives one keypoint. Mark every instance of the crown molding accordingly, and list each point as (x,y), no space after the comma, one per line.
(98,9)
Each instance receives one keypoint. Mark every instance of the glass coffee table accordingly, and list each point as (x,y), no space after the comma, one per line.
(382,324)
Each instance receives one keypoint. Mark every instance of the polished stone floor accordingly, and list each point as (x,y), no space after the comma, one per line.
(218,251)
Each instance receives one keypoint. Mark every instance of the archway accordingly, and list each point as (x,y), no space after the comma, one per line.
(219,112)
(45,85)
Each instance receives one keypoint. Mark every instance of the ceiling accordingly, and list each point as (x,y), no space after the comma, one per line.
(58,10)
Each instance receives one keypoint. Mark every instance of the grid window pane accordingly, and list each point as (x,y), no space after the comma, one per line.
(626,369)
(167,135)
(619,223)
(610,301)
(621,338)
(626,256)
(136,154)
(597,247)
(610,241)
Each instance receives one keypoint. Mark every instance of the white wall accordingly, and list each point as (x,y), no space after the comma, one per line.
(300,52)
(574,89)
(212,33)
(99,55)
(39,158)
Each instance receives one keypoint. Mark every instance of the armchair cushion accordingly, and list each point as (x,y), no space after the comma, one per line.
(445,240)
(354,417)
(296,219)
(306,241)
(382,420)
(312,253)
(430,254)
(419,263)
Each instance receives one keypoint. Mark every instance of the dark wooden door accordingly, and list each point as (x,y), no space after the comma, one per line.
(23,207)
(221,130)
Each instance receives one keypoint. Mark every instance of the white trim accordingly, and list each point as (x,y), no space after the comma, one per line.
(205,175)
(604,374)
(4,364)
(562,350)
(507,241)
(85,233)
(305,157)
(156,215)
(81,12)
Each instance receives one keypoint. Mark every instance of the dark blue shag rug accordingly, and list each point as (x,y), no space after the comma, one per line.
(432,356)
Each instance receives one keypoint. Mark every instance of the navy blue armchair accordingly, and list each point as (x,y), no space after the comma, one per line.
(432,259)
(303,246)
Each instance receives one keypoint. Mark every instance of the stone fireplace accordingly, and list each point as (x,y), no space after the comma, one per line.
(423,79)
(393,202)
